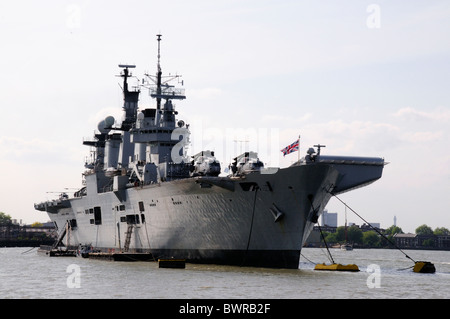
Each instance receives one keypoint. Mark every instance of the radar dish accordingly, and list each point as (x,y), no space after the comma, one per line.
(127,66)
(102,127)
(109,121)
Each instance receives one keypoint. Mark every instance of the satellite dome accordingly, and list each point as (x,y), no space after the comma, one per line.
(109,121)
(102,127)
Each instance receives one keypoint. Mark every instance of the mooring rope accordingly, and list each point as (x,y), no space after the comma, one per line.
(382,235)
(301,254)
(330,257)
(326,245)
(251,228)
(29,250)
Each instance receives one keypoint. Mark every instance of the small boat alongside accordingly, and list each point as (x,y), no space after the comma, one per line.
(347,246)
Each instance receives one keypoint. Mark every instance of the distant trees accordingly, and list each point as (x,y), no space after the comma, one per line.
(393,230)
(441,231)
(371,238)
(429,237)
(5,219)
(424,230)
(354,235)
(37,224)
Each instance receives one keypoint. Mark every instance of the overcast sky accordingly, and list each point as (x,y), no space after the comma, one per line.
(364,78)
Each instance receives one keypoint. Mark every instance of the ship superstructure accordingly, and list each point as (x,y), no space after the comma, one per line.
(142,193)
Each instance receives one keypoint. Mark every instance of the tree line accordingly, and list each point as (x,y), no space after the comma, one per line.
(372,239)
(5,219)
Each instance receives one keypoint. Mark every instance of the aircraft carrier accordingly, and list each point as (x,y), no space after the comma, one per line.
(141,193)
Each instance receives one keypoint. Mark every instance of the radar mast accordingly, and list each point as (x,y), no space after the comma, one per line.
(159,86)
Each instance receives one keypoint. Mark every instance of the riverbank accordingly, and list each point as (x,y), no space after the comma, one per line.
(26,242)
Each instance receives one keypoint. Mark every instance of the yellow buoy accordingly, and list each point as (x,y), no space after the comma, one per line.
(337,267)
(424,267)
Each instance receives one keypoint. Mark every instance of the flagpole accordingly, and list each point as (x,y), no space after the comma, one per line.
(299,148)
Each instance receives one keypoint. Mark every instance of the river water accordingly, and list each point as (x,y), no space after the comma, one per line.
(25,274)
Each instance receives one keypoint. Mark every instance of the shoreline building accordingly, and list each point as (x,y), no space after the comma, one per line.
(329,219)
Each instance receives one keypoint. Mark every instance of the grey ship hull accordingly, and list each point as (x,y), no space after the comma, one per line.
(256,220)
(141,194)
